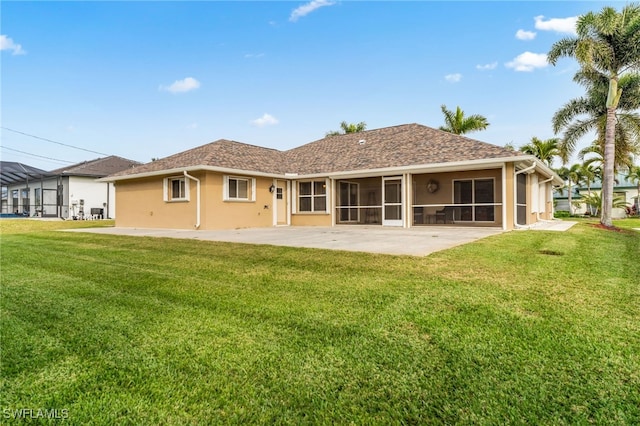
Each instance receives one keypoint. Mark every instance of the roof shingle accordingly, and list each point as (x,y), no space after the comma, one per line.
(397,146)
(100,167)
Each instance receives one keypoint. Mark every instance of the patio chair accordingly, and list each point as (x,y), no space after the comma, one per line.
(445,215)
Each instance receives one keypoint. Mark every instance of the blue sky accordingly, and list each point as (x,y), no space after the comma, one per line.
(149,79)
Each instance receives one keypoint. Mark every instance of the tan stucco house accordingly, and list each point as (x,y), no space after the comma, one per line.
(407,175)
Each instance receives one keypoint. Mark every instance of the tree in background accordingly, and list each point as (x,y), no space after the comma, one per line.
(348,128)
(545,150)
(572,175)
(580,116)
(457,123)
(609,43)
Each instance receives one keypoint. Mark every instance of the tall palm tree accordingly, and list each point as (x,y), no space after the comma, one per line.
(545,150)
(580,116)
(457,123)
(348,128)
(606,42)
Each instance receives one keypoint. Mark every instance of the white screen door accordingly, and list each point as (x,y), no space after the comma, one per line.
(392,202)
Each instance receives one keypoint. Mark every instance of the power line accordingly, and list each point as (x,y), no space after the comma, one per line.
(36,155)
(52,141)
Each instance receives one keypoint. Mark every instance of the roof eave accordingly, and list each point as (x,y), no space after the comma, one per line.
(419,168)
(175,170)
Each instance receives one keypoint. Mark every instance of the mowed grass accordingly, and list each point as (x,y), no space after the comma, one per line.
(524,328)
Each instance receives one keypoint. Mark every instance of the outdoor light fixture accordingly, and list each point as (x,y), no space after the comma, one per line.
(272,188)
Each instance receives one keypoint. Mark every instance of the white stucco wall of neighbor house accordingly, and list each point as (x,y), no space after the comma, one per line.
(85,193)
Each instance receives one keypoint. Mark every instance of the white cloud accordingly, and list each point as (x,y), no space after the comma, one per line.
(265,120)
(306,9)
(525,35)
(192,126)
(7,43)
(181,86)
(559,25)
(485,67)
(453,78)
(528,61)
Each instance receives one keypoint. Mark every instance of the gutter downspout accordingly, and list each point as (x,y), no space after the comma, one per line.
(188,176)
(538,212)
(515,197)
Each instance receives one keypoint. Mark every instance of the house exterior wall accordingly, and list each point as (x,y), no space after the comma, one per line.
(311,219)
(444,196)
(141,203)
(220,214)
(94,194)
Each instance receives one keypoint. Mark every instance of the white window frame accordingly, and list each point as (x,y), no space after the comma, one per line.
(312,196)
(251,189)
(168,189)
(473,203)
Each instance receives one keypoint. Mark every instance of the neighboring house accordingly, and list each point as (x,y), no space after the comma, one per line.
(404,175)
(72,192)
(15,174)
(622,188)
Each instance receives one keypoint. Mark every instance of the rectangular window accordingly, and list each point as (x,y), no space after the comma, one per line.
(312,196)
(521,199)
(16,201)
(26,201)
(176,189)
(239,188)
(473,193)
(37,198)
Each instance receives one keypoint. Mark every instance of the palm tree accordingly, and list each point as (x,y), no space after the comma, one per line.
(594,201)
(458,124)
(348,128)
(545,150)
(589,174)
(634,177)
(606,42)
(623,158)
(589,113)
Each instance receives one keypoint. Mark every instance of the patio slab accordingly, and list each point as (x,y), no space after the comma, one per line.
(418,241)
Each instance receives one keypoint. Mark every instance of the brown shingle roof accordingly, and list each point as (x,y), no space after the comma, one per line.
(397,146)
(221,153)
(99,167)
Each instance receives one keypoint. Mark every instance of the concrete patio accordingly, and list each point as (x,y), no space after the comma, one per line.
(416,241)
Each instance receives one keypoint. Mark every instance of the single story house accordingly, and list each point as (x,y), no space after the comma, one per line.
(71,192)
(623,188)
(407,175)
(12,172)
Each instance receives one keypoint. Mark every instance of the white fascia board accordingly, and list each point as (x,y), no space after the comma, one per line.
(415,169)
(180,170)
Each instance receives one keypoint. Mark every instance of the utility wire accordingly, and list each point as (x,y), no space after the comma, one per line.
(49,140)
(36,155)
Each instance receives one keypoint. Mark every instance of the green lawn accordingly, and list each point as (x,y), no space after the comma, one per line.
(527,327)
